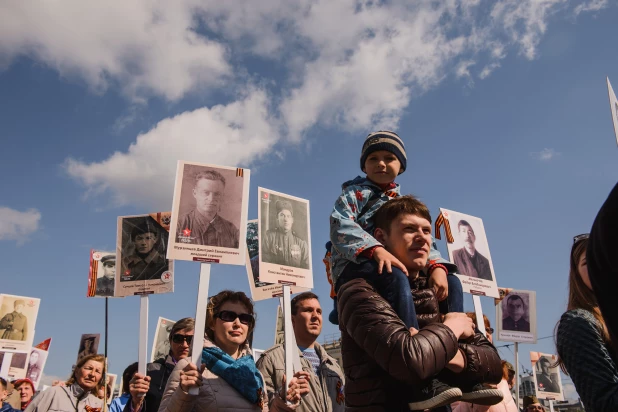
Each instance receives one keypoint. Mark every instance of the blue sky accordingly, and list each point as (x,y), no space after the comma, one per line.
(502,106)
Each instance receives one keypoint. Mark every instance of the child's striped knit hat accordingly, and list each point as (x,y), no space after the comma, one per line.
(384,140)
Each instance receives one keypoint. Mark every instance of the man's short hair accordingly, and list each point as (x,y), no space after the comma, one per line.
(464,223)
(545,360)
(144,227)
(209,175)
(302,297)
(3,383)
(392,209)
(515,297)
(184,323)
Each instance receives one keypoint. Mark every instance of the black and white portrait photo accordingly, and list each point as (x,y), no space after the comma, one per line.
(209,210)
(260,290)
(36,363)
(88,345)
(17,369)
(141,249)
(547,376)
(517,314)
(102,274)
(470,252)
(285,240)
(17,319)
(161,344)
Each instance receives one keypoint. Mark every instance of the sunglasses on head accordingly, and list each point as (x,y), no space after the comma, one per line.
(229,316)
(580,237)
(179,338)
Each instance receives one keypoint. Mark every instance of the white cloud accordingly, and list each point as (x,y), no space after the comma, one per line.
(148,47)
(16,225)
(352,65)
(545,155)
(591,6)
(234,134)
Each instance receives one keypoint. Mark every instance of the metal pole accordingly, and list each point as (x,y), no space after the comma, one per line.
(517,377)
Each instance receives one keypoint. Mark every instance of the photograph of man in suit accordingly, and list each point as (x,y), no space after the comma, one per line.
(468,260)
(516,310)
(544,380)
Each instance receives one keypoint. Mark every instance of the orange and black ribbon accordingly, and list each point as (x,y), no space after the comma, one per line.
(441,220)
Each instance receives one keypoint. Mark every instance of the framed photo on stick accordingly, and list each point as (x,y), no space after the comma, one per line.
(516,315)
(470,252)
(88,345)
(141,248)
(209,214)
(19,364)
(546,376)
(17,319)
(161,344)
(102,274)
(260,290)
(36,364)
(284,231)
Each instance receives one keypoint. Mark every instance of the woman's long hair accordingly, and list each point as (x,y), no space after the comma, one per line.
(582,297)
(82,362)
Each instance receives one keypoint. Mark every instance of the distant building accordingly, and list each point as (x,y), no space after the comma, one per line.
(526,387)
(332,346)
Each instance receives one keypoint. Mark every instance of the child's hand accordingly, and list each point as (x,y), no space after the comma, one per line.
(386,260)
(437,281)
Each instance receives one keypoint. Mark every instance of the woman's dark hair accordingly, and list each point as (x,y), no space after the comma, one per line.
(184,323)
(581,296)
(127,375)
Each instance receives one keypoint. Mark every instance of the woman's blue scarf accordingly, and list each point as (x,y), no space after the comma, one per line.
(240,373)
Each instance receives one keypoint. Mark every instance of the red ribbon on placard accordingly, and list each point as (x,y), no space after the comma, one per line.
(442,221)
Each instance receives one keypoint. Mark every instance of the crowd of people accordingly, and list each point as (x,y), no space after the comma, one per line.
(406,343)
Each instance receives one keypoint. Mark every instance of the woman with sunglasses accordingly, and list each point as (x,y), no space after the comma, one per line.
(79,394)
(228,379)
(148,390)
(585,349)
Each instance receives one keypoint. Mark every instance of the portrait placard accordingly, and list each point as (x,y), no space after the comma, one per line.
(19,363)
(88,345)
(17,319)
(209,214)
(111,385)
(141,243)
(260,290)
(279,327)
(546,376)
(516,316)
(470,252)
(161,344)
(36,364)
(102,274)
(284,231)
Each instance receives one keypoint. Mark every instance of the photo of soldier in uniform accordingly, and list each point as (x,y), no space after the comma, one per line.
(209,213)
(202,219)
(284,242)
(17,319)
(102,275)
(144,248)
(36,363)
(88,345)
(161,344)
(515,312)
(260,290)
(141,249)
(546,376)
(111,385)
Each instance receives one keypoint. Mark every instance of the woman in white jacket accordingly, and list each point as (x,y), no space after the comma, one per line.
(228,379)
(80,392)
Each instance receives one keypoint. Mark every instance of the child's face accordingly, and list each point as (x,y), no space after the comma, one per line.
(382,167)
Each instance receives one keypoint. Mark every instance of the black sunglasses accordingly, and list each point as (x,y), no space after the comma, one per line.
(229,316)
(489,330)
(179,338)
(580,237)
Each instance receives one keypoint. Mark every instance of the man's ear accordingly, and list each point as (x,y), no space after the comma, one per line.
(380,235)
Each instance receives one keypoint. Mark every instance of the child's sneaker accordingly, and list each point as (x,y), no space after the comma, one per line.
(434,395)
(482,395)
